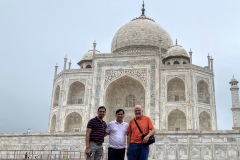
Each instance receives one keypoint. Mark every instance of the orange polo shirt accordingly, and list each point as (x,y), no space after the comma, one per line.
(145,123)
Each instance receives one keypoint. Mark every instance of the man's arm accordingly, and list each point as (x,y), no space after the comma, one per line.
(88,149)
(108,130)
(146,138)
(152,132)
(128,138)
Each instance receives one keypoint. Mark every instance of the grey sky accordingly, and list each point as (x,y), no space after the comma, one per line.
(35,35)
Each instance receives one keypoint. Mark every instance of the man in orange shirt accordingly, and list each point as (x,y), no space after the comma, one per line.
(137,149)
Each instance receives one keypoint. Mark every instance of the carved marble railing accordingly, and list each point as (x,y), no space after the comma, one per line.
(220,145)
(67,71)
(187,66)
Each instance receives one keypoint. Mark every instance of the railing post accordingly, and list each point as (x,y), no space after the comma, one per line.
(32,155)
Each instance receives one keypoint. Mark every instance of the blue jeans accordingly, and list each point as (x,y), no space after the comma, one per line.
(138,151)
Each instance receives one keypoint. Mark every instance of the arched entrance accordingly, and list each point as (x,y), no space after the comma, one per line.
(205,121)
(177,121)
(76,93)
(124,93)
(73,122)
(176,90)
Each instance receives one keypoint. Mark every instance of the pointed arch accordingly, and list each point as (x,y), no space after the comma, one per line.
(195,153)
(125,92)
(175,62)
(207,153)
(177,121)
(205,121)
(171,152)
(53,123)
(232,153)
(175,90)
(219,153)
(73,122)
(76,93)
(88,66)
(203,92)
(56,96)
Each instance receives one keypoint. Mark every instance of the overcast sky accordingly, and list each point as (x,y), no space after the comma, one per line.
(37,34)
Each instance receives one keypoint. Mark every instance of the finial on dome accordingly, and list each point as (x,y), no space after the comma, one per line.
(143,9)
(176,42)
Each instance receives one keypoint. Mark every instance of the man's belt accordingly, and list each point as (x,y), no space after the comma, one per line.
(97,143)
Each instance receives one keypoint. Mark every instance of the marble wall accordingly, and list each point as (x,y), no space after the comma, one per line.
(217,145)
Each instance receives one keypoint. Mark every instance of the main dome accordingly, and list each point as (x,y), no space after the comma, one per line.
(141,33)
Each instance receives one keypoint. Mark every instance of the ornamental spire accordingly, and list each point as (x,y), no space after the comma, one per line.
(143,9)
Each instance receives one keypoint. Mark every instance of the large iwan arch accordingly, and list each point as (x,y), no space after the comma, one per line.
(73,122)
(124,93)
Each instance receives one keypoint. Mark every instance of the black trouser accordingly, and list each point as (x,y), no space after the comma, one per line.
(116,154)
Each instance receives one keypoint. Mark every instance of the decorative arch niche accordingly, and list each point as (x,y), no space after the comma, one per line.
(56,96)
(205,121)
(124,93)
(177,121)
(219,153)
(203,92)
(88,66)
(53,124)
(176,62)
(73,122)
(76,93)
(175,90)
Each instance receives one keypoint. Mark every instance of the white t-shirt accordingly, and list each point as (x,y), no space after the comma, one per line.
(117,134)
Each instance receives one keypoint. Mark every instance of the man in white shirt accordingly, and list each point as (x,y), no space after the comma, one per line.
(117,131)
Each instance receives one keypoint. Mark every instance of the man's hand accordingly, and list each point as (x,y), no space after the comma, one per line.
(87,151)
(146,138)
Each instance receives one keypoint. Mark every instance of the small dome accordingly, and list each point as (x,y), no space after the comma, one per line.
(141,32)
(176,51)
(233,80)
(89,55)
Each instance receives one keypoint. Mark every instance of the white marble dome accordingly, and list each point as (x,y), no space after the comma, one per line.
(176,51)
(141,32)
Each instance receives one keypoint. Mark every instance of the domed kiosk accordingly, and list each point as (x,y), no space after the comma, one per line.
(176,55)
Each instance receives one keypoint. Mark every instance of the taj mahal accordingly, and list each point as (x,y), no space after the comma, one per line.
(147,67)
